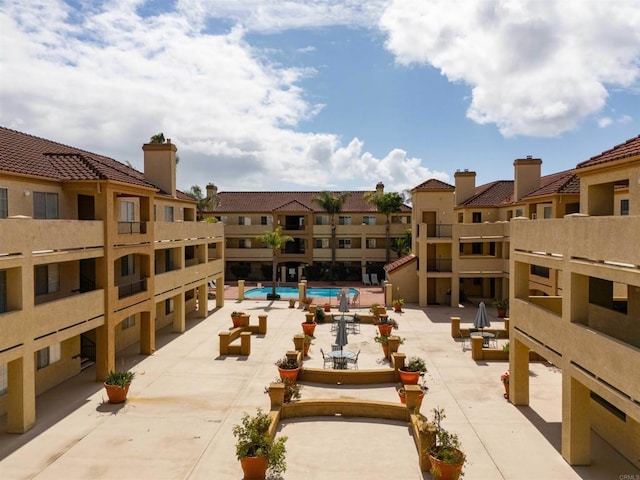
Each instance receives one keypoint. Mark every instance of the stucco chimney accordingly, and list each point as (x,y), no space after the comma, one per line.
(465,185)
(380,188)
(160,165)
(526,176)
(212,191)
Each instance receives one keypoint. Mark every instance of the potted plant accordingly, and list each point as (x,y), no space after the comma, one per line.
(397,304)
(117,385)
(288,368)
(306,301)
(446,456)
(505,381)
(292,303)
(387,324)
(320,316)
(402,394)
(306,344)
(327,307)
(236,318)
(501,305)
(309,325)
(412,370)
(377,310)
(292,390)
(383,340)
(256,449)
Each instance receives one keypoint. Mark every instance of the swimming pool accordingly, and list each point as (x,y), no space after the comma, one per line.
(292,292)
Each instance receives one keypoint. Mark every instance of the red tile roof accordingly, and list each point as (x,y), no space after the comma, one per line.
(401,262)
(566,182)
(492,194)
(25,154)
(630,148)
(434,184)
(237,202)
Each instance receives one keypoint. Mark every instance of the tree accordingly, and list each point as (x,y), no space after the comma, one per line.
(387,203)
(157,138)
(274,240)
(332,204)
(196,193)
(402,245)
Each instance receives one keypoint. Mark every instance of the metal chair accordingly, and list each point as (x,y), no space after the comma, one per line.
(464,341)
(354,361)
(335,348)
(494,340)
(326,359)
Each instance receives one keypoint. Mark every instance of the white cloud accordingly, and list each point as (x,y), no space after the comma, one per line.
(604,122)
(535,67)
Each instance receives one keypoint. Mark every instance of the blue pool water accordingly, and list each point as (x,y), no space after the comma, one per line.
(291,292)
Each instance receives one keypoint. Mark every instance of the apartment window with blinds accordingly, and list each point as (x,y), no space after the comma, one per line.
(371,243)
(47,279)
(476,217)
(264,220)
(321,243)
(127,211)
(624,206)
(244,220)
(4,379)
(344,243)
(546,212)
(322,219)
(344,220)
(45,205)
(47,356)
(4,203)
(168,214)
(369,220)
(3,291)
(128,322)
(245,243)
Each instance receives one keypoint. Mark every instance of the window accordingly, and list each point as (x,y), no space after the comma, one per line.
(245,243)
(321,243)
(519,212)
(400,219)
(3,291)
(127,211)
(322,219)
(244,220)
(128,265)
(344,243)
(189,252)
(344,220)
(4,379)
(540,271)
(624,207)
(45,205)
(476,248)
(476,217)
(128,322)
(369,220)
(47,356)
(168,306)
(460,218)
(222,219)
(168,214)
(4,203)
(47,279)
(371,243)
(168,260)
(264,220)
(546,212)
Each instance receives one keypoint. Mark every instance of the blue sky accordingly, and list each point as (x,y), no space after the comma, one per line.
(315,94)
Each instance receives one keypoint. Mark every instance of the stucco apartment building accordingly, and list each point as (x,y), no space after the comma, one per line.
(94,257)
(360,234)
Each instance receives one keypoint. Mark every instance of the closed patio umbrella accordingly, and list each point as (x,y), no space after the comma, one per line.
(341,336)
(482,319)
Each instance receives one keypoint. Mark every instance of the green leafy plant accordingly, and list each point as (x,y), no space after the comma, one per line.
(292,390)
(253,440)
(320,315)
(307,339)
(398,301)
(415,364)
(447,447)
(119,378)
(501,303)
(287,363)
(373,309)
(388,321)
(505,347)
(384,340)
(237,314)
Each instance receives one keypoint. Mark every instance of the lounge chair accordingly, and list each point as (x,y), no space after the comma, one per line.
(374,279)
(355,300)
(365,279)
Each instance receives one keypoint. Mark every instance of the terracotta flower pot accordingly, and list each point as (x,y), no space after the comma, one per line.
(116,393)
(403,398)
(254,468)
(502,312)
(385,330)
(292,374)
(305,349)
(445,471)
(397,308)
(506,390)
(409,378)
(327,308)
(308,328)
(385,350)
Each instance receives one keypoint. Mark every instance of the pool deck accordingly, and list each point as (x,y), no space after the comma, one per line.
(185,399)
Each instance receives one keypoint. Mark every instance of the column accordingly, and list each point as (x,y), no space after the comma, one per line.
(21,397)
(203,301)
(105,350)
(147,332)
(179,324)
(576,425)
(518,372)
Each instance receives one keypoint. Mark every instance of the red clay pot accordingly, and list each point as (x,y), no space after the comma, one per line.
(116,393)
(385,350)
(445,471)
(292,375)
(409,378)
(385,330)
(308,328)
(305,349)
(403,398)
(254,468)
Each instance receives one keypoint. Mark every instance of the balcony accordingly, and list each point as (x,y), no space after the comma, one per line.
(187,230)
(439,230)
(130,228)
(439,265)
(60,315)
(130,289)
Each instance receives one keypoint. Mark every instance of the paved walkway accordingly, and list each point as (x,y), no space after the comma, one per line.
(185,400)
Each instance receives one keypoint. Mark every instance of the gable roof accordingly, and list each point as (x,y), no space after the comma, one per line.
(630,148)
(566,182)
(25,154)
(434,184)
(491,195)
(401,262)
(235,202)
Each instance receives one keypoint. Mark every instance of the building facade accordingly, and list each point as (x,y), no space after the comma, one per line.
(94,257)
(361,240)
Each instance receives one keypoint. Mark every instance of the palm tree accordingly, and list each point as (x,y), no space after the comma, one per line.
(203,202)
(275,240)
(331,202)
(402,245)
(387,203)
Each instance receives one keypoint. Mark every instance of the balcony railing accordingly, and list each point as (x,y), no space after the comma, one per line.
(132,288)
(439,265)
(125,228)
(442,230)
(294,227)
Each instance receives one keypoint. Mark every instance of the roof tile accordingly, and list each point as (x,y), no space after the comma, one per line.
(630,148)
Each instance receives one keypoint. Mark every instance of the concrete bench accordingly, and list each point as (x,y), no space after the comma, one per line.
(244,333)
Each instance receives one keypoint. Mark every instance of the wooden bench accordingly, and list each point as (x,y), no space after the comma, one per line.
(244,333)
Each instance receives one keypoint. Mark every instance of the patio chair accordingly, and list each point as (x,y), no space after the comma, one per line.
(354,326)
(355,300)
(326,359)
(494,340)
(335,347)
(365,279)
(464,341)
(339,363)
(354,361)
(374,279)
